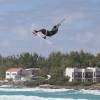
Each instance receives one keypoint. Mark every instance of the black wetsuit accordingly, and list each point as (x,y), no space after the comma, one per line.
(49,33)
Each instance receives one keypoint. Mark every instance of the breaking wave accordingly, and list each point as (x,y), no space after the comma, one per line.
(93,92)
(4,97)
(48,94)
(34,89)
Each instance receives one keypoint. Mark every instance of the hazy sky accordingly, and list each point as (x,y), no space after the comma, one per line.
(80,31)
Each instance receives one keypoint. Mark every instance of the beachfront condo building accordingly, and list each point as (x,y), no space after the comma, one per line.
(20,74)
(14,73)
(88,74)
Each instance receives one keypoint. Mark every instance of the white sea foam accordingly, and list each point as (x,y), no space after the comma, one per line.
(4,97)
(82,91)
(34,89)
(54,90)
(93,92)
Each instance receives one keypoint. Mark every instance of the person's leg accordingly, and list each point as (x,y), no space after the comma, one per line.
(43,31)
(36,31)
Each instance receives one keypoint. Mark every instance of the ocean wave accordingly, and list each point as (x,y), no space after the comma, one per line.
(93,92)
(5,97)
(37,89)
(34,89)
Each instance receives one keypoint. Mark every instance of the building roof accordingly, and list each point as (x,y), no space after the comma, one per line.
(13,69)
(33,69)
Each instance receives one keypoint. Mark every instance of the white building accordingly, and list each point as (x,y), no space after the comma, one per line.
(14,73)
(83,74)
(75,74)
(92,74)
(21,74)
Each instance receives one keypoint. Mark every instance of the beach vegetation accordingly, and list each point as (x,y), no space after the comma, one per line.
(53,65)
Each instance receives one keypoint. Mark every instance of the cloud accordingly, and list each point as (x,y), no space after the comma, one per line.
(20,32)
(19,17)
(5,43)
(82,38)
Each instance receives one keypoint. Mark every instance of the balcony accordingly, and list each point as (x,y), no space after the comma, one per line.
(89,75)
(77,75)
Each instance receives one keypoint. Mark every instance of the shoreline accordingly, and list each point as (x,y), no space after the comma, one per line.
(77,87)
(95,86)
(53,87)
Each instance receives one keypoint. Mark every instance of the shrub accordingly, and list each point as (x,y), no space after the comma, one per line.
(31,83)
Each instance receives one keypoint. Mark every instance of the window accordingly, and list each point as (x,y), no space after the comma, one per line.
(13,73)
(7,74)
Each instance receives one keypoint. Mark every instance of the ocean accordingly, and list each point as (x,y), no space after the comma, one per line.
(48,94)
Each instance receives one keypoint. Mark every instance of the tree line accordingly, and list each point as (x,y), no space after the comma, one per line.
(54,64)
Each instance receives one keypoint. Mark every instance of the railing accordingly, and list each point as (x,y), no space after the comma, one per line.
(78,74)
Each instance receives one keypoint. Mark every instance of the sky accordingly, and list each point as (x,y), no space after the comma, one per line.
(80,30)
